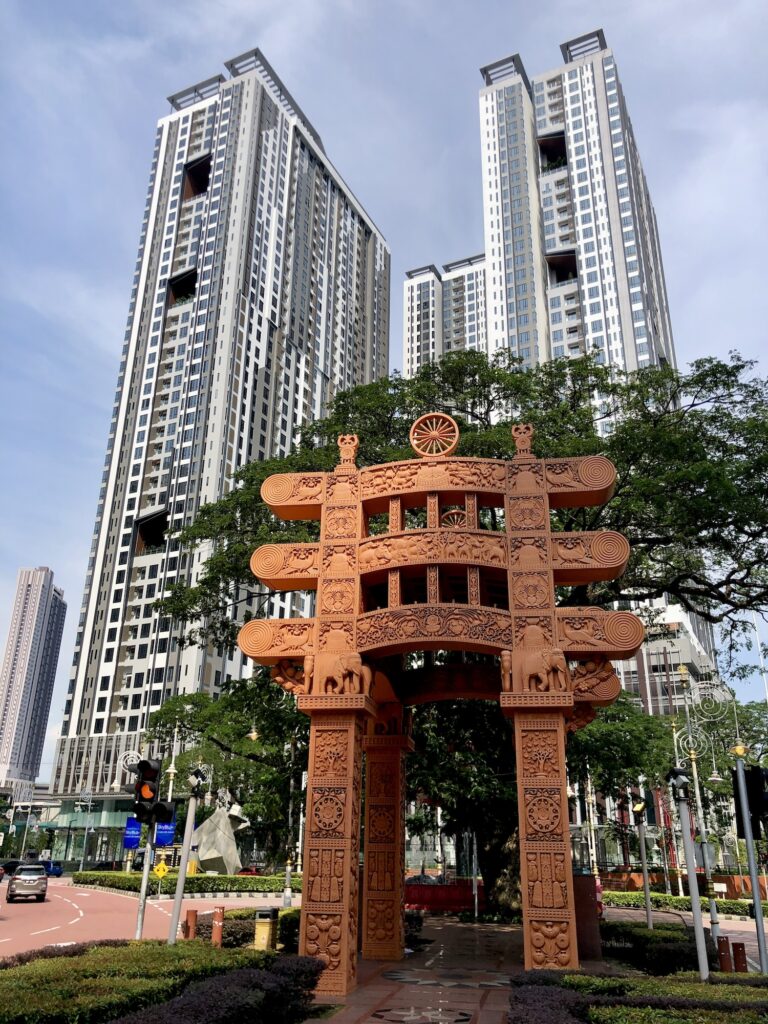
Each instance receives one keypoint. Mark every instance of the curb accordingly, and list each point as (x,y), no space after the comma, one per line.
(238,894)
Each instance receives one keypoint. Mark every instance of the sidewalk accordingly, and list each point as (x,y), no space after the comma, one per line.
(460,977)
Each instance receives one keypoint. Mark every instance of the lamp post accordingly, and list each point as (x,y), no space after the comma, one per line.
(679,783)
(739,751)
(86,797)
(639,811)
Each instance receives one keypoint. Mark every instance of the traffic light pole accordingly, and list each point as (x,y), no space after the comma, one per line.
(189,828)
(144,881)
(753,876)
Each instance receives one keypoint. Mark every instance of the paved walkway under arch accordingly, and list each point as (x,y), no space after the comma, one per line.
(460,976)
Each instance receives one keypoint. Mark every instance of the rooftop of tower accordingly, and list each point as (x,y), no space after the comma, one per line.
(572,50)
(251,60)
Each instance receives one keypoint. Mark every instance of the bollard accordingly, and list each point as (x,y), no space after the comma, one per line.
(724,954)
(217,928)
(190,925)
(739,958)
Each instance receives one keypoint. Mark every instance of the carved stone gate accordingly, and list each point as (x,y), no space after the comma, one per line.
(436,554)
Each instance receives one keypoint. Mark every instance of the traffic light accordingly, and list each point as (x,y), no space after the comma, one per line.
(756,779)
(146,789)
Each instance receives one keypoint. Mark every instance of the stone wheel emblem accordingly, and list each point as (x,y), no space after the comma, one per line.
(454,518)
(434,434)
(329,812)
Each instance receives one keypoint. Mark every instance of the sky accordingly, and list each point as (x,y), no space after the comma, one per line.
(392,89)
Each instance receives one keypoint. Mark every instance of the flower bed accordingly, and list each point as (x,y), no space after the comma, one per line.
(131,882)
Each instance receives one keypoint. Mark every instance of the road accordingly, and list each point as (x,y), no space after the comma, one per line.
(77,914)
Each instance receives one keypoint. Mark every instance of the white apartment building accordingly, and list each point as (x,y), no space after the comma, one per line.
(572,256)
(261,287)
(28,674)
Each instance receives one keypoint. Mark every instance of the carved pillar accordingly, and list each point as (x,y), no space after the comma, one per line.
(549,925)
(433,511)
(332,840)
(470,511)
(383,885)
(394,594)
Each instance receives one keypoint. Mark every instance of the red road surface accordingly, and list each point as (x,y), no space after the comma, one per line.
(77,914)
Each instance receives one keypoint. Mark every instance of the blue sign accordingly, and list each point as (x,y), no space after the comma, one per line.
(132,834)
(164,833)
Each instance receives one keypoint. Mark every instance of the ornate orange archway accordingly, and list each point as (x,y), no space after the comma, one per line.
(445,584)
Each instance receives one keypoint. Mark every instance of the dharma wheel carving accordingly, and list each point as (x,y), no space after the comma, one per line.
(477,575)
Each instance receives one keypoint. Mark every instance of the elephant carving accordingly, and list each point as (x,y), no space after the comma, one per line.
(337,672)
(539,667)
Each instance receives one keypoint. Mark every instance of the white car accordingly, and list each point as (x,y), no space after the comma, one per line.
(27,880)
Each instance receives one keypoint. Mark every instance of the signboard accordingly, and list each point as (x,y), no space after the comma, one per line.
(164,833)
(132,834)
(160,870)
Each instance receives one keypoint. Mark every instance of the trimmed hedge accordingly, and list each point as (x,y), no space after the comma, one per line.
(98,985)
(576,998)
(280,995)
(239,927)
(48,952)
(661,950)
(664,901)
(194,883)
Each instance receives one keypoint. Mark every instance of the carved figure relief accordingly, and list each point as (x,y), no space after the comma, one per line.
(537,666)
(348,445)
(324,938)
(542,814)
(527,552)
(338,559)
(336,636)
(342,488)
(525,479)
(551,943)
(546,881)
(261,639)
(381,870)
(505,660)
(326,875)
(481,548)
(381,779)
(341,672)
(590,677)
(328,805)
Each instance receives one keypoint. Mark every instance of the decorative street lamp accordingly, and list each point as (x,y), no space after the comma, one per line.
(639,811)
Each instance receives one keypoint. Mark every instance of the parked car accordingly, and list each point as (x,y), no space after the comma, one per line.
(53,868)
(107,865)
(251,869)
(9,866)
(27,880)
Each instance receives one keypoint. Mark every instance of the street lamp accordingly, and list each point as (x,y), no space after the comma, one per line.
(86,797)
(639,811)
(679,782)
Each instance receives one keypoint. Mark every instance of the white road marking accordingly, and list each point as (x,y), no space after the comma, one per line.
(74,920)
(44,930)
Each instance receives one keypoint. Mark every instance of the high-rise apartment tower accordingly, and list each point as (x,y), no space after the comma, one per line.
(28,673)
(572,262)
(261,287)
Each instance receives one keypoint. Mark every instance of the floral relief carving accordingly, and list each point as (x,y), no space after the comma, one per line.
(381,824)
(473,584)
(550,941)
(381,779)
(323,938)
(593,676)
(380,920)
(483,627)
(337,597)
(341,522)
(547,889)
(527,514)
(532,591)
(543,816)
(328,807)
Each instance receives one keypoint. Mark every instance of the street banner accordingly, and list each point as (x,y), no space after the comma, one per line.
(164,833)
(132,834)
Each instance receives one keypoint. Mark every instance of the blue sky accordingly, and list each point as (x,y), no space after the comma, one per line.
(392,89)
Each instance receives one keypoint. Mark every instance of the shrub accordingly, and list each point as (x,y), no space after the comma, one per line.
(107,981)
(48,952)
(288,923)
(131,882)
(235,934)
(665,901)
(414,922)
(661,950)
